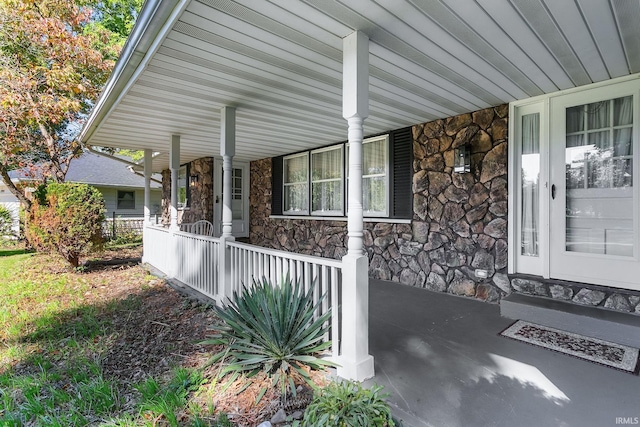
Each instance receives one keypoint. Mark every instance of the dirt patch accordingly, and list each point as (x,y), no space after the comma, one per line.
(155,327)
(164,330)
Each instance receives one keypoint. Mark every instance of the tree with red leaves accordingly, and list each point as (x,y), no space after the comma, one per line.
(53,64)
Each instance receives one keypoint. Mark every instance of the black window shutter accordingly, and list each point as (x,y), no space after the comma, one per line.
(401,154)
(276,185)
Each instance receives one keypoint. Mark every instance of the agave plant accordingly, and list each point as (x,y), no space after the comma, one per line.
(271,328)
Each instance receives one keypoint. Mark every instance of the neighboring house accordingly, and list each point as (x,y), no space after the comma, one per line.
(11,203)
(122,189)
(500,137)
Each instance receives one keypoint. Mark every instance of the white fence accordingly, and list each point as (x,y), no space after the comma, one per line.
(324,275)
(122,226)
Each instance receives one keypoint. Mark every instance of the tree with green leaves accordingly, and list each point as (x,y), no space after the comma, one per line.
(67,218)
(55,56)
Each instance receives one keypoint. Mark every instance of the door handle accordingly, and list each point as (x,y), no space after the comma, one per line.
(553,191)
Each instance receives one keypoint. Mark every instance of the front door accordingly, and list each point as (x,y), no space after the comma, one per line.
(239,199)
(594,200)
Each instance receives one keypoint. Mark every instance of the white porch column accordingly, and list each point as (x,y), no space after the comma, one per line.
(147,199)
(148,171)
(174,165)
(227,151)
(355,361)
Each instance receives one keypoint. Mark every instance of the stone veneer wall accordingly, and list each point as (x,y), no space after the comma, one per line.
(201,195)
(459,223)
(166,197)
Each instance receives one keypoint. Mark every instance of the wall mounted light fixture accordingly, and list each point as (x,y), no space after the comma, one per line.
(462,159)
(193,180)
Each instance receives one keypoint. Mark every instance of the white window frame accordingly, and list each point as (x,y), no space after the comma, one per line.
(306,182)
(344,147)
(369,213)
(120,199)
(519,263)
(333,212)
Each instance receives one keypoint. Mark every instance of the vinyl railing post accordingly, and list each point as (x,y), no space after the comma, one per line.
(225,284)
(113,225)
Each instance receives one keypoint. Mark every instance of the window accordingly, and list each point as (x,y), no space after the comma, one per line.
(374,176)
(326,181)
(574,197)
(183,187)
(296,184)
(126,200)
(599,144)
(316,182)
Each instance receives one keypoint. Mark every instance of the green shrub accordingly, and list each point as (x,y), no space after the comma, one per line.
(6,223)
(348,404)
(271,328)
(67,218)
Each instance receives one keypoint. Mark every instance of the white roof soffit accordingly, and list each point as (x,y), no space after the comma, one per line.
(279,62)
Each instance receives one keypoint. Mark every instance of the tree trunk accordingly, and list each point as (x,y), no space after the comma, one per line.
(26,203)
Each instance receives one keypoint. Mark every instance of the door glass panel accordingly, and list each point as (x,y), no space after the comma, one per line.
(530,173)
(599,176)
(237,201)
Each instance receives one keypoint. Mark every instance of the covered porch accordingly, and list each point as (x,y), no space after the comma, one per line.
(321,99)
(442,361)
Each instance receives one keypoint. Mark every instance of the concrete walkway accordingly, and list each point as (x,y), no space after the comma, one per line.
(442,361)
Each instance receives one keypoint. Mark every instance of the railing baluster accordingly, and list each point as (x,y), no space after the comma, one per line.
(335,314)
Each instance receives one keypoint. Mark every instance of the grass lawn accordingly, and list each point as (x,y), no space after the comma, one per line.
(109,346)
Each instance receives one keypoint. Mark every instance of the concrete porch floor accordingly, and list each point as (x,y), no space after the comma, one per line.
(443,363)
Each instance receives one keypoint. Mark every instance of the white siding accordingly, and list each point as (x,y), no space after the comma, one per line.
(110,195)
(9,201)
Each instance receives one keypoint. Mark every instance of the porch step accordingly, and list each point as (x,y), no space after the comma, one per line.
(607,325)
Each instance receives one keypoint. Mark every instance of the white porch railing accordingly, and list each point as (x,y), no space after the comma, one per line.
(249,262)
(190,258)
(156,242)
(196,261)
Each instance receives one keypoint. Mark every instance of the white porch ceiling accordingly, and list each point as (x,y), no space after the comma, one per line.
(279,62)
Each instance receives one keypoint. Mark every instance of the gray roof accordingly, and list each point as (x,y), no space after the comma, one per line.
(102,171)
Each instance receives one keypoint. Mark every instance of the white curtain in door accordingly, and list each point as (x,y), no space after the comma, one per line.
(530,178)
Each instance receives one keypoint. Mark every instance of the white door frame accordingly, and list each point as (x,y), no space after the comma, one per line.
(240,228)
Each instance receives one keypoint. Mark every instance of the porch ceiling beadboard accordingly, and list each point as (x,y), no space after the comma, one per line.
(279,62)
